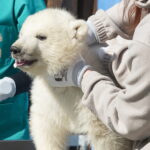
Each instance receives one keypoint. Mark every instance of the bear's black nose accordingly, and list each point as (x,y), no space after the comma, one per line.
(15,50)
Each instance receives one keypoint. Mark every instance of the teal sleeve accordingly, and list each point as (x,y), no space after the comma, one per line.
(24,8)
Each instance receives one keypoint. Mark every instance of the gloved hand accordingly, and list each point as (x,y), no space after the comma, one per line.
(91,39)
(71,76)
(102,51)
(7,88)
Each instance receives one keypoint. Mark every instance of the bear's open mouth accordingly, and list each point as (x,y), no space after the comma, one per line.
(23,62)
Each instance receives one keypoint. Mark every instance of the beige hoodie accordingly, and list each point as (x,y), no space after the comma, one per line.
(124,107)
(111,23)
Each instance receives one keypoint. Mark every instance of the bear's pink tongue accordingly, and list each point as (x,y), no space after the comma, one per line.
(19,63)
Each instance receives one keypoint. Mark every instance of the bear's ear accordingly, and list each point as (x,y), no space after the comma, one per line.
(79,29)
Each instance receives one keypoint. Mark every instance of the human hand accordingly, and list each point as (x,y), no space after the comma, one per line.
(102,51)
(91,39)
(7,88)
(71,76)
(98,48)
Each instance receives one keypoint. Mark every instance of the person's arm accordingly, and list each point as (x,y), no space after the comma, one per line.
(13,85)
(108,24)
(125,108)
(22,82)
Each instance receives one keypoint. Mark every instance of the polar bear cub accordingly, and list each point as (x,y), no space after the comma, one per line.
(49,42)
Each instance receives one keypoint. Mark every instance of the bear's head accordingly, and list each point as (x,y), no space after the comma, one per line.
(49,41)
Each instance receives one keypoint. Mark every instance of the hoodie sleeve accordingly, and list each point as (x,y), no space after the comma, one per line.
(108,24)
(124,108)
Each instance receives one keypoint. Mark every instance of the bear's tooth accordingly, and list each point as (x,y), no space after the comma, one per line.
(15,65)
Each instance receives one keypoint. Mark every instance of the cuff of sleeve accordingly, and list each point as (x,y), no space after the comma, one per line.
(80,76)
(98,22)
(105,27)
(89,79)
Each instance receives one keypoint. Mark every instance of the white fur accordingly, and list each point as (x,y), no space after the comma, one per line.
(58,112)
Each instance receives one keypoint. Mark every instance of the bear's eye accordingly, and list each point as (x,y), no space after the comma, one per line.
(41,37)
